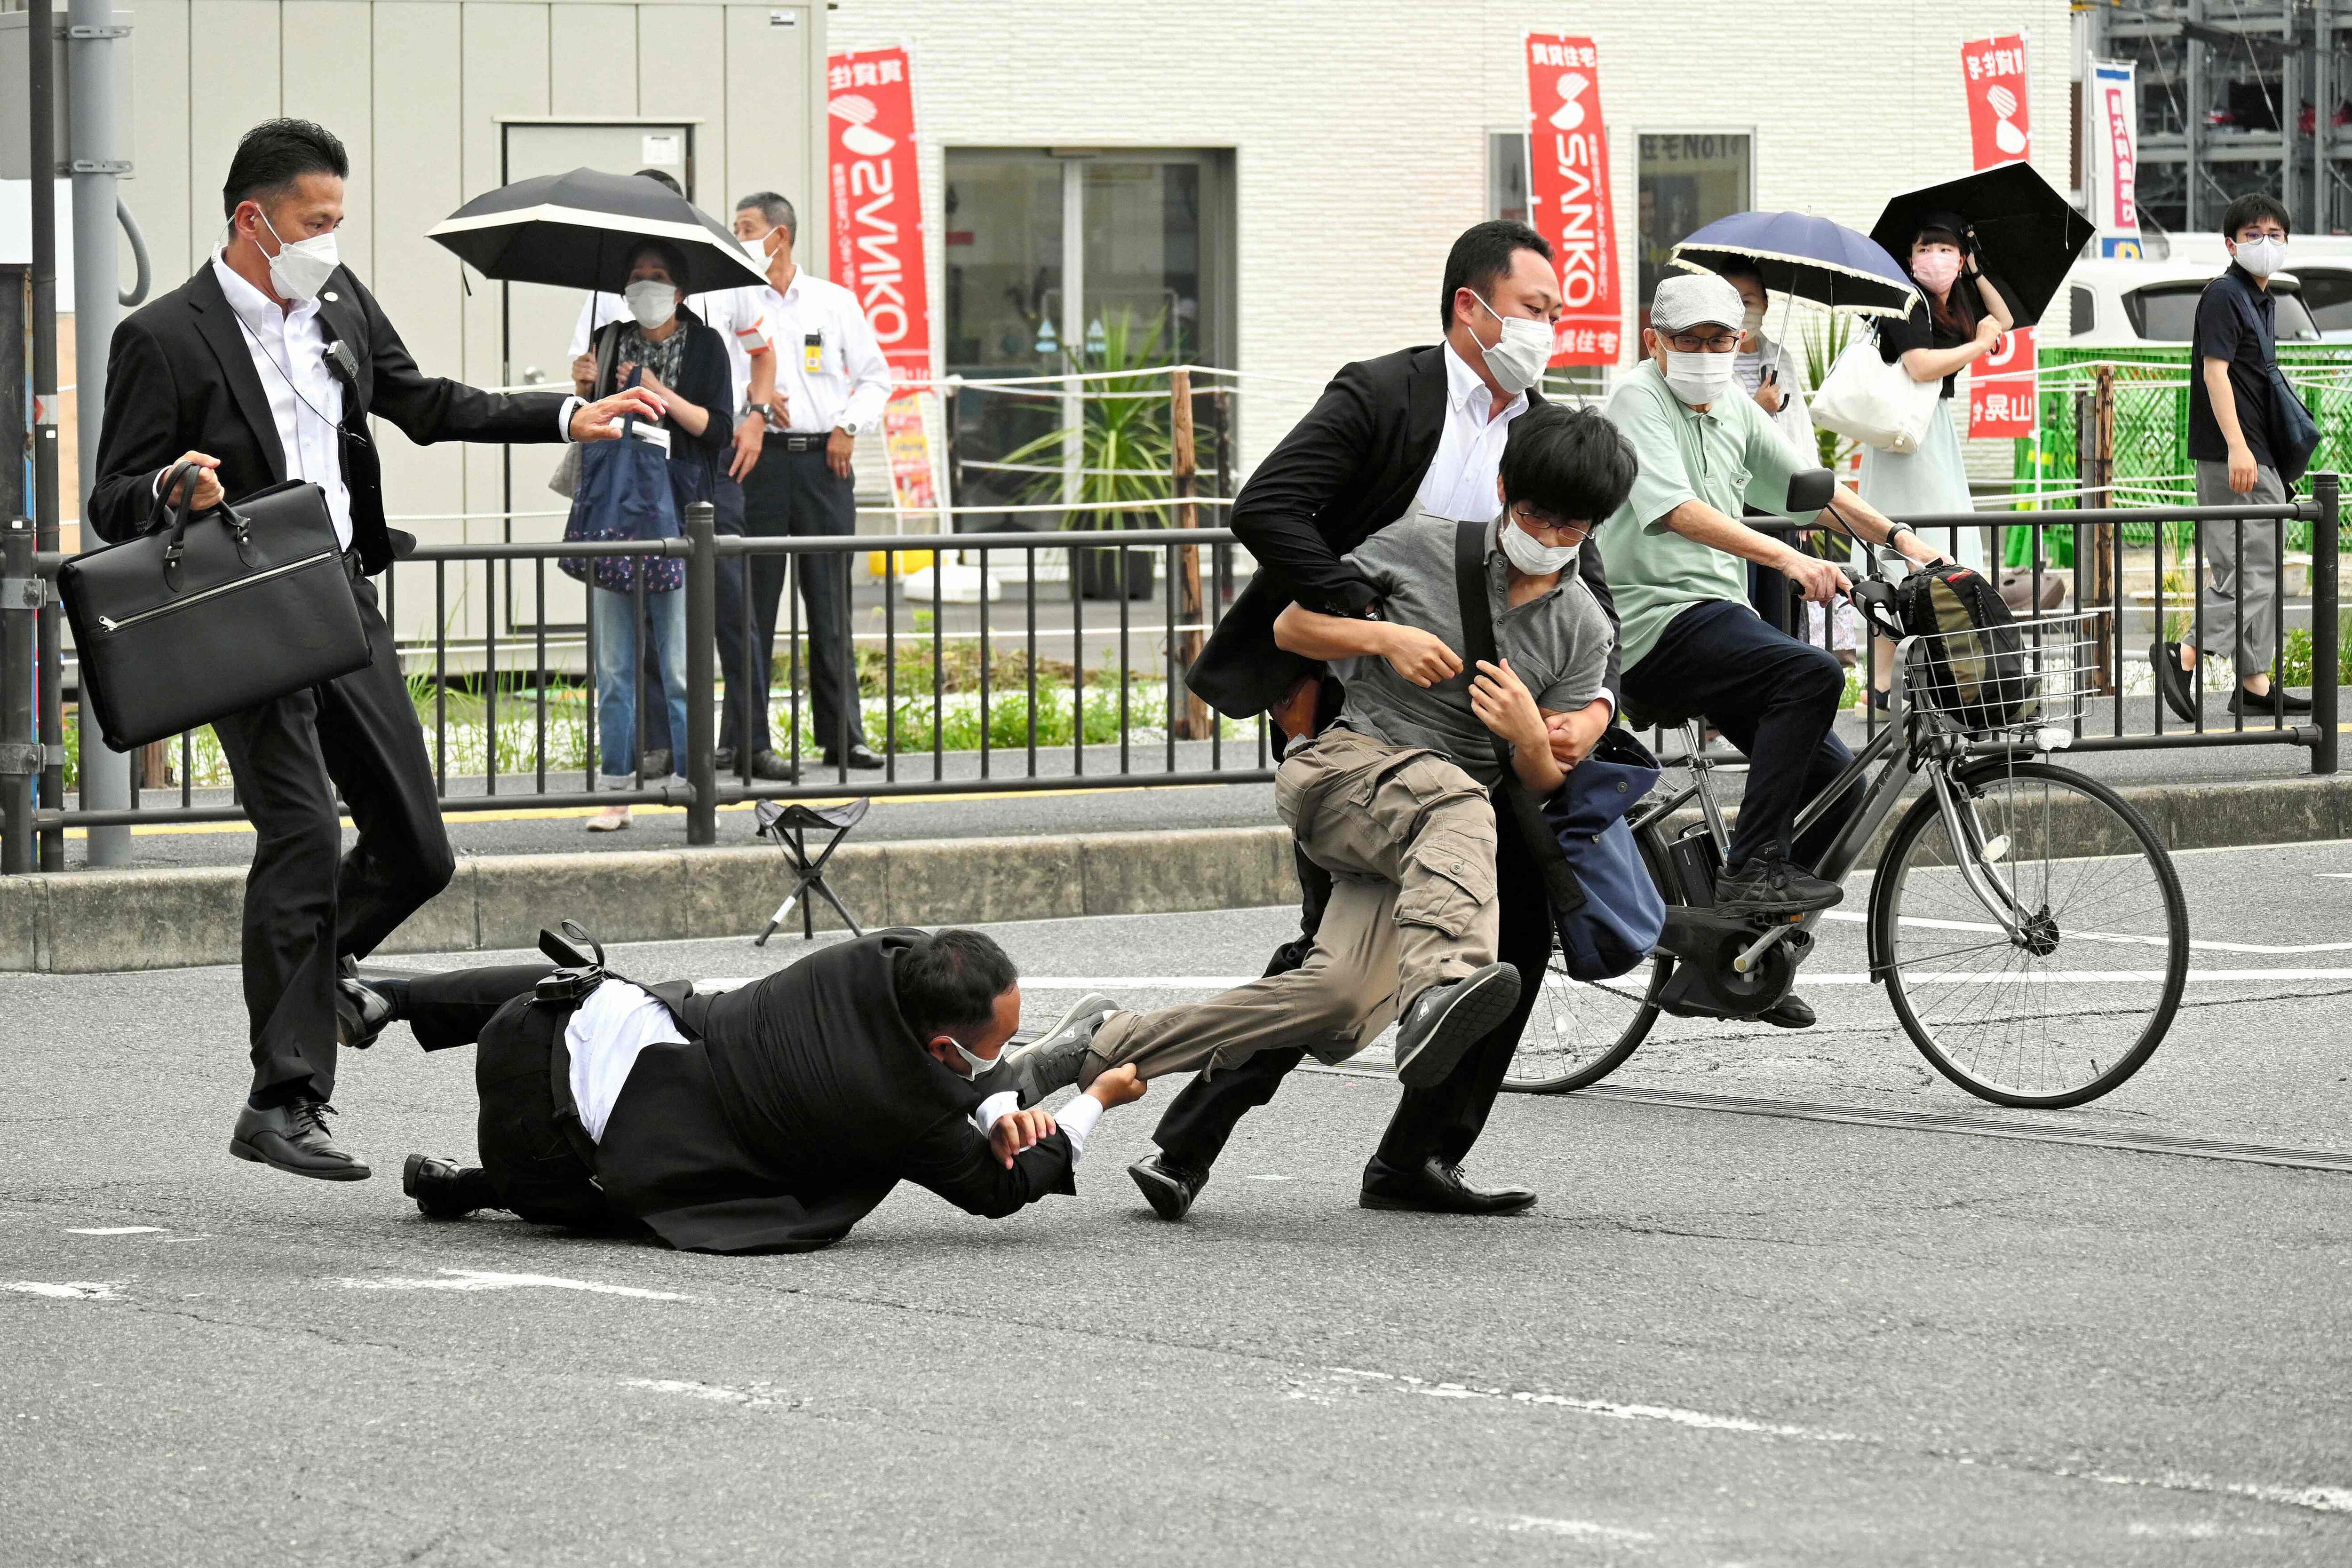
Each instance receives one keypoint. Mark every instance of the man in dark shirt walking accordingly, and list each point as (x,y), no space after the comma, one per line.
(2234,442)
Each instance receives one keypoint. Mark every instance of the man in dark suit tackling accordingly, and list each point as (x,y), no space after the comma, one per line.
(261,368)
(754,1117)
(1420,429)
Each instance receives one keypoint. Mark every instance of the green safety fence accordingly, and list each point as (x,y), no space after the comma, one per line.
(2151,442)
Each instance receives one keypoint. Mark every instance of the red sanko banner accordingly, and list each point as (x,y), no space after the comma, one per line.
(1999,122)
(1567,188)
(878,204)
(1994,72)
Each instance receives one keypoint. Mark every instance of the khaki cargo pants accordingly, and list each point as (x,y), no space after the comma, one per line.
(1408,840)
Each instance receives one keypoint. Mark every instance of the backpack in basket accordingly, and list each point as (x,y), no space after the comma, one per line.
(1976,669)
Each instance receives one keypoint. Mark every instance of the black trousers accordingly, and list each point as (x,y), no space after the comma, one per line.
(735,666)
(529,1163)
(308,903)
(1775,698)
(1441,1122)
(797,493)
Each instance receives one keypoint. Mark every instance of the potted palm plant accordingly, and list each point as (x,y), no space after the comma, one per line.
(1125,454)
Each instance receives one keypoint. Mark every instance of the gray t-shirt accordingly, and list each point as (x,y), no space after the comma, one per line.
(1557,644)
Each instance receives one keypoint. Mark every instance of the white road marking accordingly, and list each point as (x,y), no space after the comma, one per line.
(65,1289)
(759,1394)
(1805,978)
(114,1230)
(485,1280)
(2196,945)
(1536,1524)
(2318,1499)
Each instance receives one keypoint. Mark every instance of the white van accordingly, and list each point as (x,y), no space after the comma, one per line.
(2115,304)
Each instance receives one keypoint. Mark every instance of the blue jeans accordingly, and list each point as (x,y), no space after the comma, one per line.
(615,617)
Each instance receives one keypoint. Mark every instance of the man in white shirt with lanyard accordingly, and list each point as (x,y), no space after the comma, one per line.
(736,313)
(831,384)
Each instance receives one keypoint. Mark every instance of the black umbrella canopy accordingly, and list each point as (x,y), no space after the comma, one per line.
(2028,233)
(578,231)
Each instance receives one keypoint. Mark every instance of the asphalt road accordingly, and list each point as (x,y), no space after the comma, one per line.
(1720,1338)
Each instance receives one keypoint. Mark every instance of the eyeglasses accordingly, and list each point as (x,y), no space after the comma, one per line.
(1694,343)
(1566,533)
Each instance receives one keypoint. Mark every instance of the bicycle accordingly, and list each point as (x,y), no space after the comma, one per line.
(2006,867)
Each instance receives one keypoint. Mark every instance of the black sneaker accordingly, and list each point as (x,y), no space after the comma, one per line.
(2172,681)
(1765,887)
(1446,1020)
(2277,702)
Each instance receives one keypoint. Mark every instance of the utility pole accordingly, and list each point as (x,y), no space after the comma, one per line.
(40,97)
(91,39)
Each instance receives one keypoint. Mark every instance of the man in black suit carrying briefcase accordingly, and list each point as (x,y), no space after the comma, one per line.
(263,367)
(1421,429)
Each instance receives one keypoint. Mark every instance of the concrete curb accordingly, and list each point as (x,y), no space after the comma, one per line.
(83,922)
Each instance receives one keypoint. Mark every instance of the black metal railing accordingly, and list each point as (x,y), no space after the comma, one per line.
(964,699)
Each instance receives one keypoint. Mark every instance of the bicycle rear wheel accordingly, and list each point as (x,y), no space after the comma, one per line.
(2076,1002)
(1581,1032)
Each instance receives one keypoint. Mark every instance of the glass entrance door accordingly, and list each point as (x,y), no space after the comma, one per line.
(1060,261)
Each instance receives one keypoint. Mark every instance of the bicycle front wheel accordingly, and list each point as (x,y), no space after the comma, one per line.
(1581,1032)
(2078,998)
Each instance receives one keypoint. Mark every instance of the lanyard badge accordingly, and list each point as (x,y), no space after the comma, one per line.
(813,353)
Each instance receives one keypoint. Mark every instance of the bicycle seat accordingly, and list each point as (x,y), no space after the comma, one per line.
(1668,717)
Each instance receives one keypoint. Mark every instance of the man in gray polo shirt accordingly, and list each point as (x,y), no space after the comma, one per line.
(1393,798)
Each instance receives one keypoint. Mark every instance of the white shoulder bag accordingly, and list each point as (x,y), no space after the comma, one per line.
(1874,402)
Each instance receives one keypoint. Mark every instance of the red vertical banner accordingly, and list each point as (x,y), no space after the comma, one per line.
(2001,401)
(878,204)
(1568,192)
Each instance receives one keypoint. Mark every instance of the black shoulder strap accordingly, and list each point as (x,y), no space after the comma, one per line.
(1478,643)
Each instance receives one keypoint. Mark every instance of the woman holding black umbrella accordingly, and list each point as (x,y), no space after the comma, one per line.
(662,348)
(1960,318)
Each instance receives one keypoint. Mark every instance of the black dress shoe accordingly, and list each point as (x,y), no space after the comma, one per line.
(1170,1184)
(2278,702)
(860,756)
(2172,681)
(768,765)
(444,1189)
(1790,1012)
(1435,1187)
(363,1008)
(293,1137)
(655,764)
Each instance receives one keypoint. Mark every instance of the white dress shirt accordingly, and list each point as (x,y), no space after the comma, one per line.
(306,401)
(1075,1120)
(829,367)
(1460,478)
(734,313)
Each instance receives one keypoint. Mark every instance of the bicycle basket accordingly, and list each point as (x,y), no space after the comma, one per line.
(2036,673)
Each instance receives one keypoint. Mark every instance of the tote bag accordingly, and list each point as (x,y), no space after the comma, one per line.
(1874,402)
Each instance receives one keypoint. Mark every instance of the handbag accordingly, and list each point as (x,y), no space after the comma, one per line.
(2294,434)
(1604,903)
(1874,402)
(202,617)
(565,480)
(625,493)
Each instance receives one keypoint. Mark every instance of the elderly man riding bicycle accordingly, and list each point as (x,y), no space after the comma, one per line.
(1677,556)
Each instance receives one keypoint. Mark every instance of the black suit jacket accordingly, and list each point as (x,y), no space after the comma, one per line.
(1346,471)
(801,1101)
(179,377)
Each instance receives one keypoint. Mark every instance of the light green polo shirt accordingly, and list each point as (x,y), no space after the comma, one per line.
(1725,456)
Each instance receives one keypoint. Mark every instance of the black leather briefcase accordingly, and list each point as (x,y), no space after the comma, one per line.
(210,615)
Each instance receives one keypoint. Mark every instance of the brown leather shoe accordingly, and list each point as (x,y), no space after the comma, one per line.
(294,1138)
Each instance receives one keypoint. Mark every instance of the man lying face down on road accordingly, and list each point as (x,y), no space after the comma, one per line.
(1393,798)
(771,1116)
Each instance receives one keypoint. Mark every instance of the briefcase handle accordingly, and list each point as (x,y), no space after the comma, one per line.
(240,528)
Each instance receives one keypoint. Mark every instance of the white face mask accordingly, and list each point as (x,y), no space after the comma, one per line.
(974,1064)
(2261,257)
(1517,359)
(650,303)
(1751,320)
(301,269)
(1700,377)
(1531,555)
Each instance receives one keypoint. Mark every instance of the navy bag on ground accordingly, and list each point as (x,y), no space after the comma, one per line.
(1606,906)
